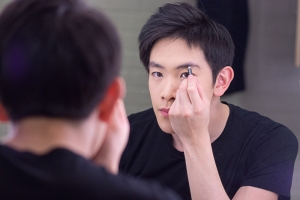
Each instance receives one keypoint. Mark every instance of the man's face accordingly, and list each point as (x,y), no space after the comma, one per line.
(168,64)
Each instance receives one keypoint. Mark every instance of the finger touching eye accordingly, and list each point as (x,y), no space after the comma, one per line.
(184,75)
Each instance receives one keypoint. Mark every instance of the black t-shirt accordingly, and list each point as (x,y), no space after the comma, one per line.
(251,151)
(62,174)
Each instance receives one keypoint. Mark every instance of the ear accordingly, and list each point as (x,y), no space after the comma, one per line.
(115,91)
(223,81)
(3,114)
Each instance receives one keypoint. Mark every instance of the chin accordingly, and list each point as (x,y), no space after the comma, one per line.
(165,127)
(163,123)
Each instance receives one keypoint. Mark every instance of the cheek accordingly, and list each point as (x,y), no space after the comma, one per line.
(163,122)
(207,85)
(151,87)
(153,90)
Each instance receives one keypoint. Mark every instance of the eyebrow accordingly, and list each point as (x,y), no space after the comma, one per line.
(182,66)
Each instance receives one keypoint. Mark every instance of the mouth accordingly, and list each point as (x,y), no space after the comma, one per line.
(164,112)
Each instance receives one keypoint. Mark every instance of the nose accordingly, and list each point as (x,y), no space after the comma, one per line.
(170,87)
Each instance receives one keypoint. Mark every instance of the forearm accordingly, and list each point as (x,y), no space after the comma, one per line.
(203,175)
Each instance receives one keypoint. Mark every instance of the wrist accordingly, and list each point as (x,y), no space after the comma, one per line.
(196,139)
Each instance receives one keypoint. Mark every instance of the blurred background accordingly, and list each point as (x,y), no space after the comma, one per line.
(271,78)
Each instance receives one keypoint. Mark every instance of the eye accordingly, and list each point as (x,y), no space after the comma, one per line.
(156,74)
(184,75)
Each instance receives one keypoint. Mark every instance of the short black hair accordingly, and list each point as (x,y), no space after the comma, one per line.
(182,20)
(58,58)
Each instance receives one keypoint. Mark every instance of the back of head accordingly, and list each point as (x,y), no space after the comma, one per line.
(182,20)
(58,58)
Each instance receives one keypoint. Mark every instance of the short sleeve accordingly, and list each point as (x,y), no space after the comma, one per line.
(271,162)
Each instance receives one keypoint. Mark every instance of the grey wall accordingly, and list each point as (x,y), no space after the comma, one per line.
(129,17)
(273,86)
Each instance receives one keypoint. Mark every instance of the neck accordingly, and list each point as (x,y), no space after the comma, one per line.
(40,135)
(219,114)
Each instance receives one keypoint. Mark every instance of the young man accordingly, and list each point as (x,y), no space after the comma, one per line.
(191,141)
(60,87)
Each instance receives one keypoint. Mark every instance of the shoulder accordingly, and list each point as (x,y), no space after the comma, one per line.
(261,128)
(269,150)
(143,125)
(253,119)
(141,117)
(250,118)
(72,176)
(118,186)
(144,132)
